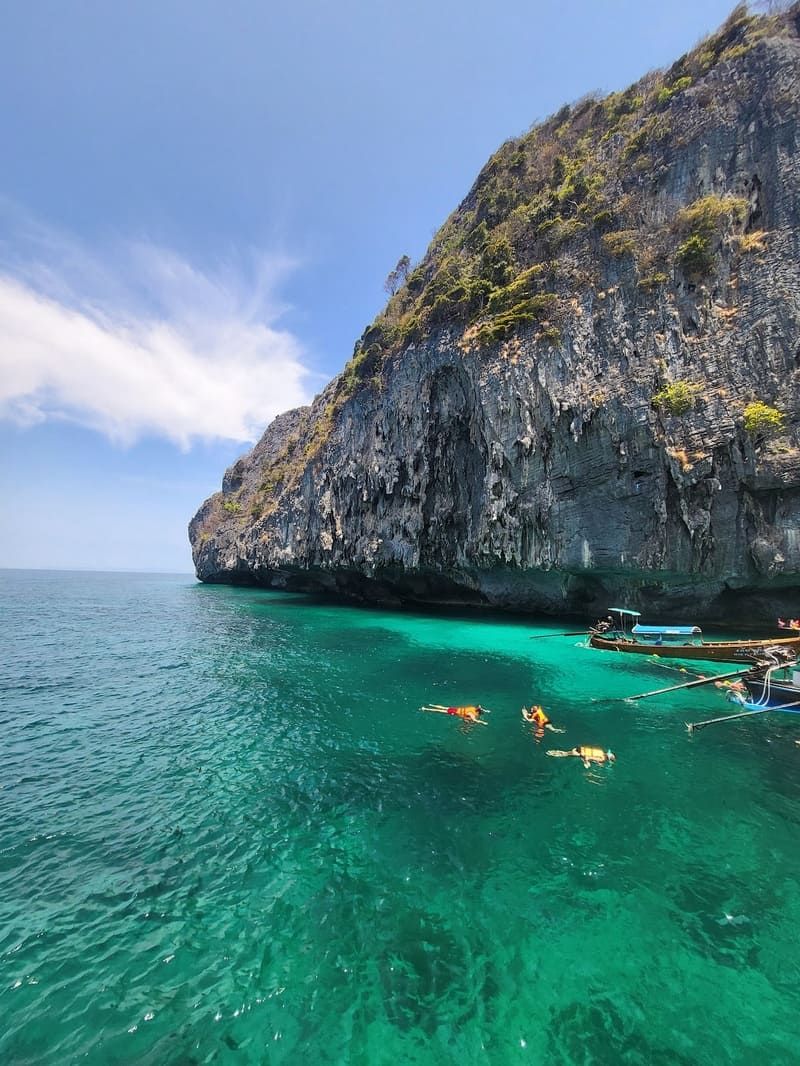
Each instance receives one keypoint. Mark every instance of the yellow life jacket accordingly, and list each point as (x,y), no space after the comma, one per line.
(592,753)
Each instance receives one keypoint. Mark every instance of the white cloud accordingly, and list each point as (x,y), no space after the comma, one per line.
(154,347)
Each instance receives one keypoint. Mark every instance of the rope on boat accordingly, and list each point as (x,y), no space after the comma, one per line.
(656,660)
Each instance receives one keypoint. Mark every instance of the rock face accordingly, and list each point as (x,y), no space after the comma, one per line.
(588,391)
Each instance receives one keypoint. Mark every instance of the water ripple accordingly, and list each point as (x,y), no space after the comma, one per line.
(226,834)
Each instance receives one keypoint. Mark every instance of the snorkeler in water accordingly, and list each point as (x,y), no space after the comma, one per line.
(586,755)
(537,717)
(470,713)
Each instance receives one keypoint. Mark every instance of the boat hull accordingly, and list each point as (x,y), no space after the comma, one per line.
(777,696)
(730,651)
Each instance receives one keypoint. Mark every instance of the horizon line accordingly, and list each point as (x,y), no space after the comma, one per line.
(92,570)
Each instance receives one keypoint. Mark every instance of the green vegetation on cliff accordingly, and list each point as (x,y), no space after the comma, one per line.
(576,184)
(557,220)
(678,398)
(591,382)
(761,420)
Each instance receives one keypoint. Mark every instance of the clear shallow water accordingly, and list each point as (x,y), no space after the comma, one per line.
(228,835)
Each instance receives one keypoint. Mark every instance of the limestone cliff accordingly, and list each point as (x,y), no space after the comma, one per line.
(589,386)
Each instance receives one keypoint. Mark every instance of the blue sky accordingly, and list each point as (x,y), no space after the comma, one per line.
(199,203)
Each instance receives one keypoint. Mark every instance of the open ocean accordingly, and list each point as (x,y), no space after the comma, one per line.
(228,835)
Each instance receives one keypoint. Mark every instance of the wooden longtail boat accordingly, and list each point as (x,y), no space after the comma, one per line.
(682,642)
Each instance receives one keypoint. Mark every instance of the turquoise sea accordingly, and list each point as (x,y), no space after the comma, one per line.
(228,835)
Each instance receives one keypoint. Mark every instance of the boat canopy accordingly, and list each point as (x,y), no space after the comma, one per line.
(623,610)
(667,631)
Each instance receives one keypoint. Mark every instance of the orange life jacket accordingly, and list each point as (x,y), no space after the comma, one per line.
(539,717)
(464,712)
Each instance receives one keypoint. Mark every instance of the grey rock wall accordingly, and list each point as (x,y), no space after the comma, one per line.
(540,475)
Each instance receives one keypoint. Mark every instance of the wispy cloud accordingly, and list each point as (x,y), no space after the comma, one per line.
(144,343)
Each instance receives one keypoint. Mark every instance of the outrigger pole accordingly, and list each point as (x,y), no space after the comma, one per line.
(689,684)
(541,636)
(692,726)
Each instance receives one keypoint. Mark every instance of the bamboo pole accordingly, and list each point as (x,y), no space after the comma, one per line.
(541,636)
(688,684)
(692,726)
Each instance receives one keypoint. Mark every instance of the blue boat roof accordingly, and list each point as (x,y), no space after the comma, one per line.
(667,631)
(624,610)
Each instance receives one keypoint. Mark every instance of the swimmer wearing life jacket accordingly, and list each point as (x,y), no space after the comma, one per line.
(735,688)
(470,713)
(537,717)
(586,755)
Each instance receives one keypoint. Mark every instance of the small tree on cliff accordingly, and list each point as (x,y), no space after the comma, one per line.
(762,421)
(397,276)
